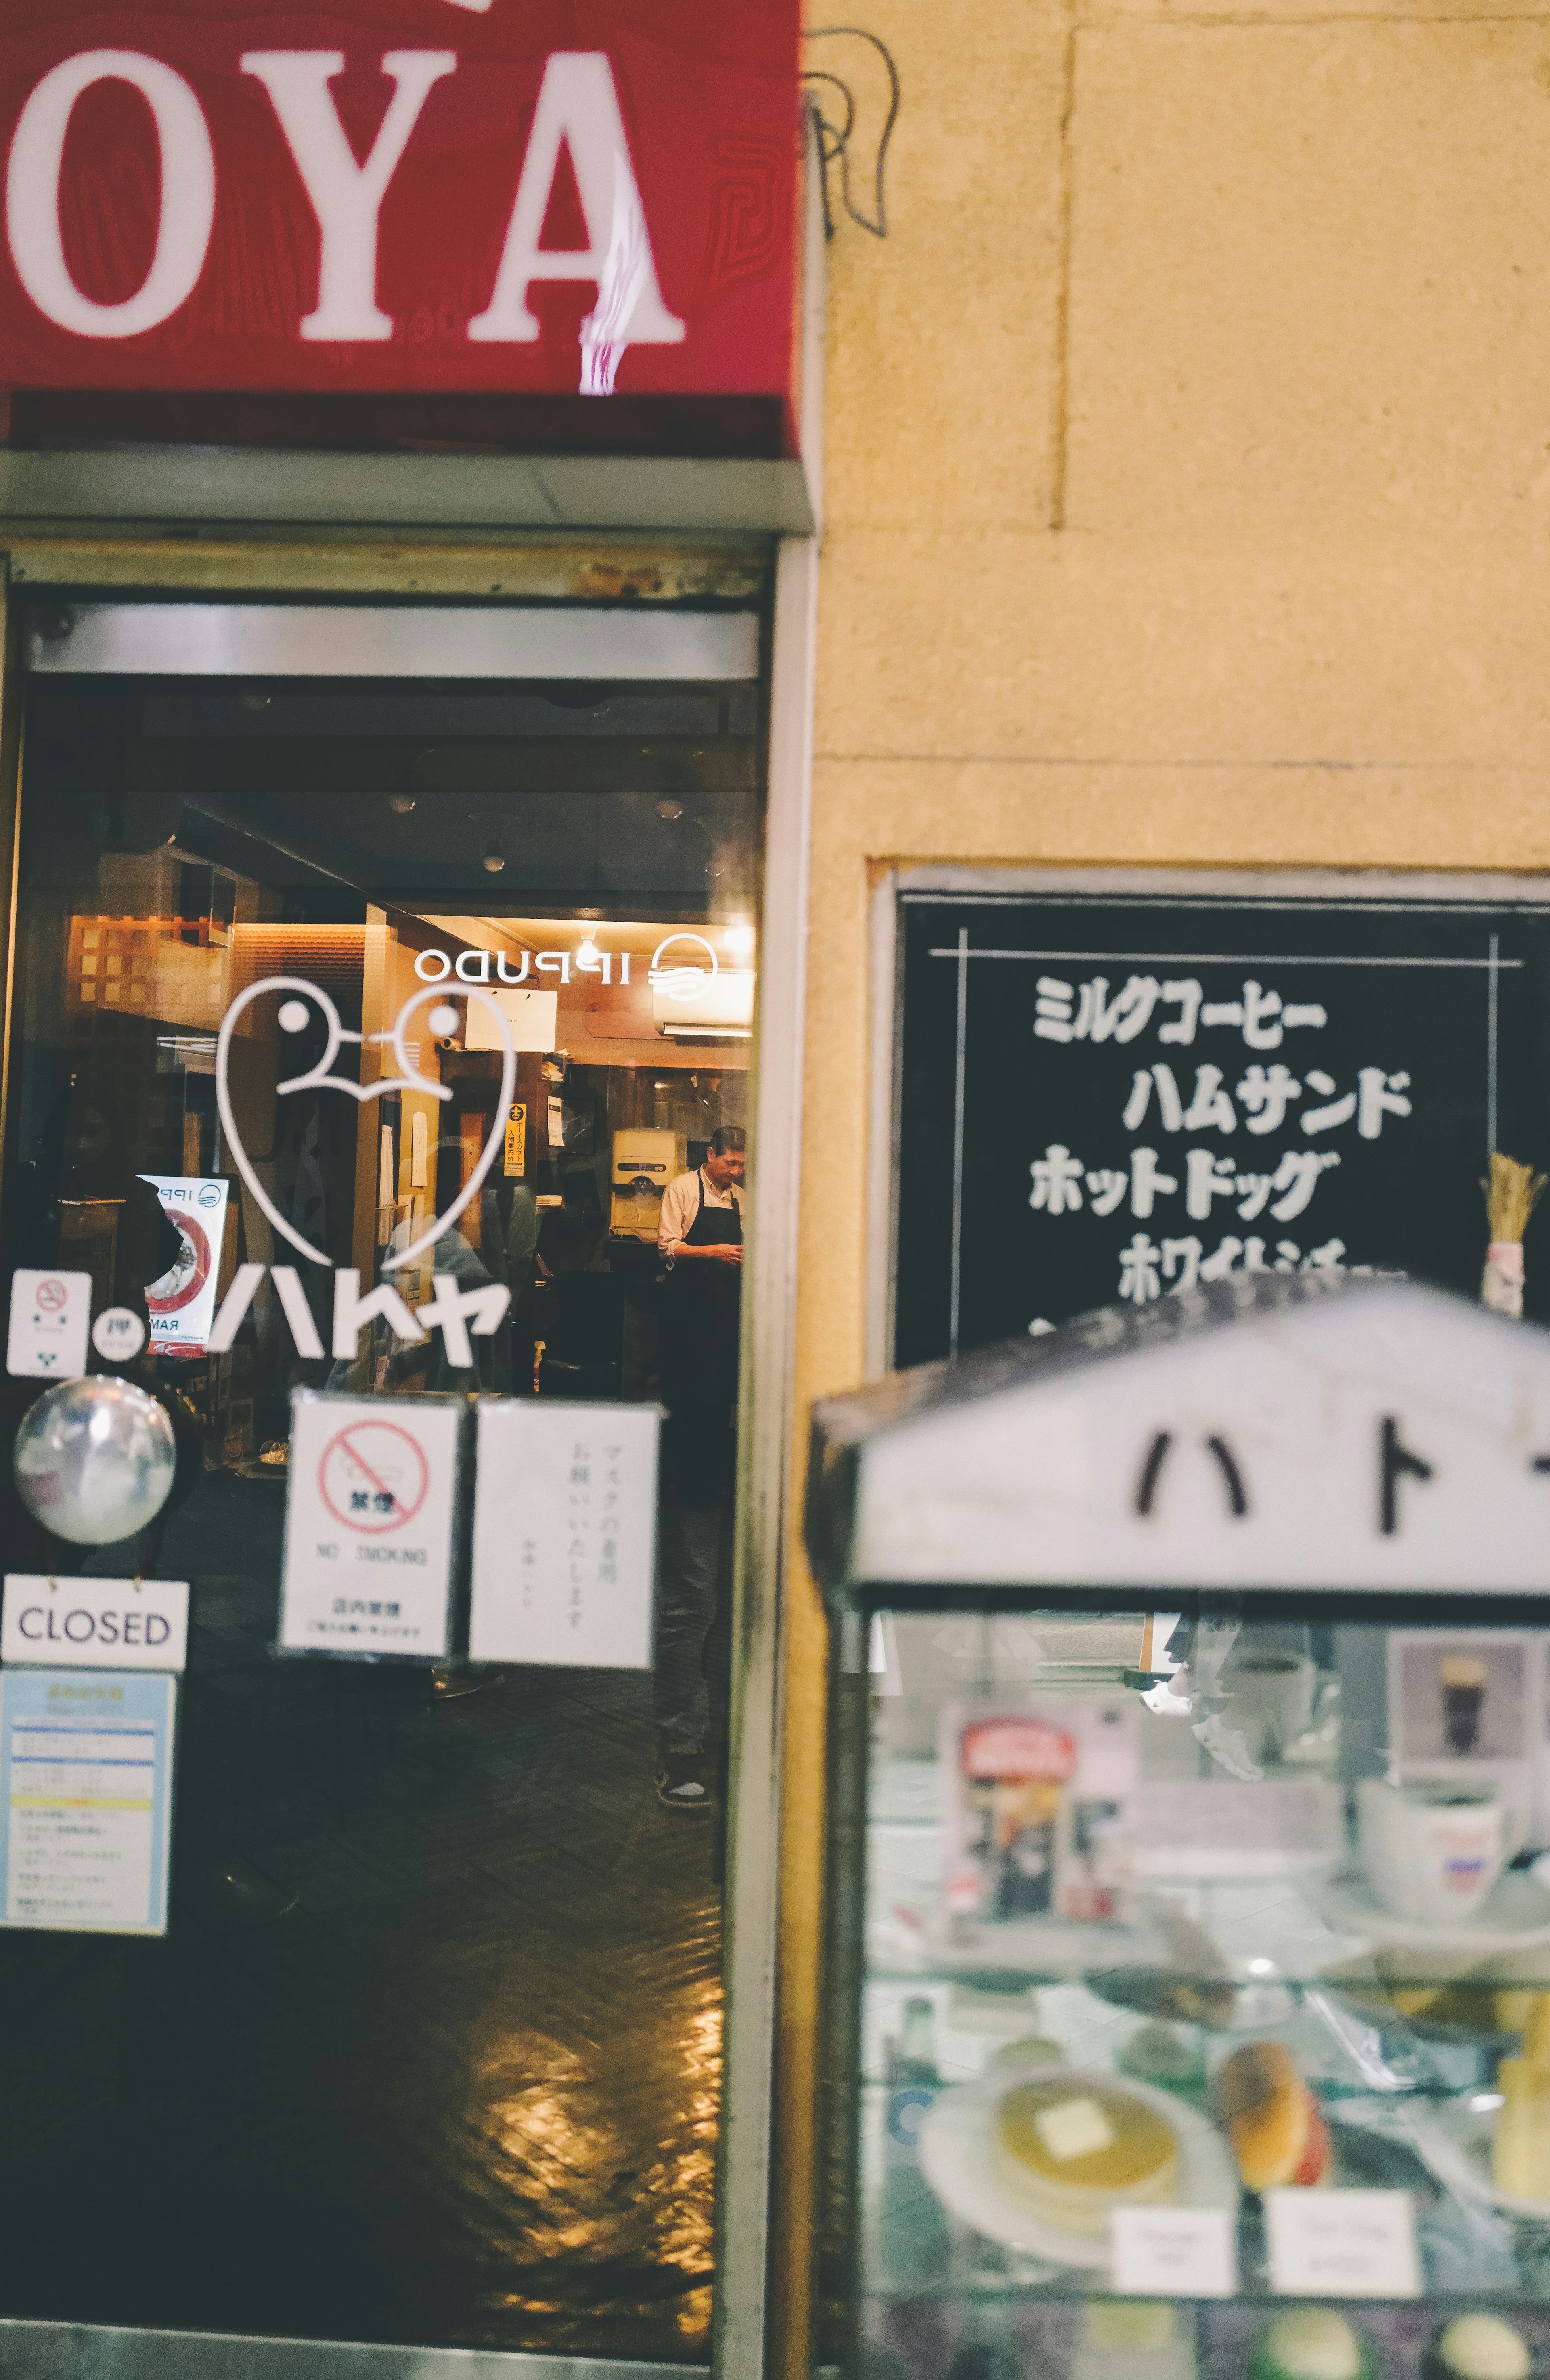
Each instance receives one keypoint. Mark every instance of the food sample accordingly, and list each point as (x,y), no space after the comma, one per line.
(1143,2323)
(1535,2028)
(1070,2149)
(1033,2049)
(1132,2339)
(1311,2343)
(1278,2136)
(1521,2143)
(1477,2347)
(1514,2012)
(1162,1992)
(1462,1680)
(1161,2054)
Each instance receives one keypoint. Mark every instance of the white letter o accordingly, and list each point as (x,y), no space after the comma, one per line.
(442,971)
(187,195)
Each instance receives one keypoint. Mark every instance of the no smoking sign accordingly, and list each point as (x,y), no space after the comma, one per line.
(373,1476)
(370,1526)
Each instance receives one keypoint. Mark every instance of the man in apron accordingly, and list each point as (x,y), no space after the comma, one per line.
(701,1238)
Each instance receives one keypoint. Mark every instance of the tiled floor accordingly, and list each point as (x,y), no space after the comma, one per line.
(464,2091)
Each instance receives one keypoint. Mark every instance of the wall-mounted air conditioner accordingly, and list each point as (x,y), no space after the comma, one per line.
(692,1004)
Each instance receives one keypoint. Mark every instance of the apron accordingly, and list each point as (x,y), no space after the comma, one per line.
(703,1316)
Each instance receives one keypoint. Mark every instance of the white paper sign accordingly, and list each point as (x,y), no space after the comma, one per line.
(530,1016)
(86,1793)
(565,1534)
(182,1304)
(99,1623)
(50,1316)
(369,1512)
(1342,2243)
(1174,2251)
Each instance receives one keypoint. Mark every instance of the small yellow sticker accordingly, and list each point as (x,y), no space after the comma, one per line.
(516,1140)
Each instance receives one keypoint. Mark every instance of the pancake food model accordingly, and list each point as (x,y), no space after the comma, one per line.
(1278,2137)
(1069,2149)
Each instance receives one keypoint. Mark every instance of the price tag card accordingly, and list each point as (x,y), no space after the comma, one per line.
(371,1526)
(1342,2243)
(1174,2251)
(100,1624)
(86,1790)
(565,1534)
(50,1316)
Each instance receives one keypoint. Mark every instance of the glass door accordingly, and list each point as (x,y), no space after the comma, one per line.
(430,2051)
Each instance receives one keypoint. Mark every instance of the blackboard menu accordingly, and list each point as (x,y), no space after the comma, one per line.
(1104,1098)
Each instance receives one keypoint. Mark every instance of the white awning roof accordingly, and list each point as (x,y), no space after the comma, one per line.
(1305,1432)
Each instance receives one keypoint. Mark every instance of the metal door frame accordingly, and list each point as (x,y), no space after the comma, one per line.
(150,564)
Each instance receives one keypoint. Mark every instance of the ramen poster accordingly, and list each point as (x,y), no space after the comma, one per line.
(182,1303)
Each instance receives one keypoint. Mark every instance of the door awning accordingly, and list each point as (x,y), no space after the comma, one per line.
(1312,1431)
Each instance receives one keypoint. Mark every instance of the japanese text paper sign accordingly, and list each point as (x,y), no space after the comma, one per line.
(182,1303)
(50,1315)
(370,1526)
(1173,2252)
(565,1534)
(1342,2243)
(86,1785)
(100,1624)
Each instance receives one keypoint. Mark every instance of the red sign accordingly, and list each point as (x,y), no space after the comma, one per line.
(373,1476)
(1013,1748)
(535,196)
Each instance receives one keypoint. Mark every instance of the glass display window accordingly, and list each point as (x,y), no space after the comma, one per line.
(1190,1949)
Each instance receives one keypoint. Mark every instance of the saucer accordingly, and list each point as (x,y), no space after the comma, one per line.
(1515,1916)
(957,2156)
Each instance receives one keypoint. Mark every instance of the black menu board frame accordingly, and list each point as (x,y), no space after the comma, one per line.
(1105,1088)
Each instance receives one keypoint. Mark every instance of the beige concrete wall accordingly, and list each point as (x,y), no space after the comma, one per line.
(1188,503)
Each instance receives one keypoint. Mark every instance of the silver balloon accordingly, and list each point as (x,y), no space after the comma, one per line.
(94,1460)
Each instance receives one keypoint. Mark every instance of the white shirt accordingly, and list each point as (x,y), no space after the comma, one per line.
(680,1204)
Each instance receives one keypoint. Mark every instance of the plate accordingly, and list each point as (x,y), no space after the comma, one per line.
(1229,1863)
(1514,1916)
(1024,1949)
(957,2143)
(1454,2142)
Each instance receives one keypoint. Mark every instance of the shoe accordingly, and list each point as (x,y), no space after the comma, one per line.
(680,1785)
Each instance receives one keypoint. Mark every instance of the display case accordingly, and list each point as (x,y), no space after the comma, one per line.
(1190,1962)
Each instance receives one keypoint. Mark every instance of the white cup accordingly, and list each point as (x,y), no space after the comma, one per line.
(1272,1698)
(1433,1852)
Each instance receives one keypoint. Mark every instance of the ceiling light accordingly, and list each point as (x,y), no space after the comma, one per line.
(494,860)
(401,803)
(739,940)
(587,956)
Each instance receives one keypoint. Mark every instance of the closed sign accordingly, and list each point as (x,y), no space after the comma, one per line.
(96,1623)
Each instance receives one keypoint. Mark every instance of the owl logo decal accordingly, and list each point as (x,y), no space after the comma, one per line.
(294,1018)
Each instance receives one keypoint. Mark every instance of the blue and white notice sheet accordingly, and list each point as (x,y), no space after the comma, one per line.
(86,1787)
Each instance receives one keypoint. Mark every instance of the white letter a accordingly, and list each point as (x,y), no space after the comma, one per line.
(346,197)
(579,105)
